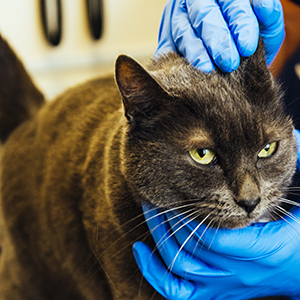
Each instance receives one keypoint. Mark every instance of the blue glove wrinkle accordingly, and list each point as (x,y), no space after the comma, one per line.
(270,11)
(208,32)
(170,286)
(140,252)
(184,35)
(207,20)
(222,239)
(247,38)
(272,260)
(177,35)
(227,59)
(270,17)
(146,260)
(165,42)
(180,290)
(216,241)
(243,25)
(185,264)
(199,59)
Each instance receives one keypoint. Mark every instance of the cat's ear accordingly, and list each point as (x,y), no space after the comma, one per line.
(139,90)
(257,65)
(257,79)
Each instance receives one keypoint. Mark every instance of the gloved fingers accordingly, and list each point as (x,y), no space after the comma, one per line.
(181,251)
(178,261)
(203,242)
(173,287)
(162,280)
(188,43)
(270,17)
(208,22)
(165,243)
(177,35)
(242,24)
(165,40)
(208,32)
(197,246)
(269,14)
(221,247)
(249,243)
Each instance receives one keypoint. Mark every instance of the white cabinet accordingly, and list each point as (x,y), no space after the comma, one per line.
(129,26)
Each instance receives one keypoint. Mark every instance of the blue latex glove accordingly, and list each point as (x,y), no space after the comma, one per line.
(260,260)
(208,32)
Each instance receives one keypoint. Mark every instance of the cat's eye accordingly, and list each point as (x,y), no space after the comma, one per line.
(268,150)
(203,156)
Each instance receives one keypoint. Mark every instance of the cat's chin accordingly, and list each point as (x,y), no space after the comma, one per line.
(233,223)
(263,219)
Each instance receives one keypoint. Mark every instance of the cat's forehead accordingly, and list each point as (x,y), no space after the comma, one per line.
(235,108)
(180,79)
(176,76)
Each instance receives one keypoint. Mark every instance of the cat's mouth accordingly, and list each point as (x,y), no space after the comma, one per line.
(232,221)
(238,219)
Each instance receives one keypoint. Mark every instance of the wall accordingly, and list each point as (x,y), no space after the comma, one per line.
(130,26)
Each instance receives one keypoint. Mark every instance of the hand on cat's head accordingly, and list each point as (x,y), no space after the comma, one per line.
(209,33)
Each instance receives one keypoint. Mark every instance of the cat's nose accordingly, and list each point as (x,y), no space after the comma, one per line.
(248,204)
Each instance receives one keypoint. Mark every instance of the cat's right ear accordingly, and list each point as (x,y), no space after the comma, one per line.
(139,90)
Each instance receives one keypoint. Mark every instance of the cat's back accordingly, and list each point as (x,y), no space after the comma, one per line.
(73,115)
(59,135)
(42,163)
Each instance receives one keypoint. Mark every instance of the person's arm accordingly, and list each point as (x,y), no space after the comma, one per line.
(209,33)
(256,261)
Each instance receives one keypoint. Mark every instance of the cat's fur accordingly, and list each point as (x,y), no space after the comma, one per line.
(75,171)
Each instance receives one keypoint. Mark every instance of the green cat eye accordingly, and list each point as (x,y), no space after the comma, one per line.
(268,150)
(203,156)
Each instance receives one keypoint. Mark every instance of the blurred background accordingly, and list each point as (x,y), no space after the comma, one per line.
(64,42)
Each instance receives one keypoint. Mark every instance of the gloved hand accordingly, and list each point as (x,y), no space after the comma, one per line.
(197,262)
(208,32)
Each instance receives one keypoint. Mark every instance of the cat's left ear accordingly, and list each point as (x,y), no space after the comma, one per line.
(139,90)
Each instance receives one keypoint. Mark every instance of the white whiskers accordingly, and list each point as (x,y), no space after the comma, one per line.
(187,239)
(289,214)
(289,202)
(186,212)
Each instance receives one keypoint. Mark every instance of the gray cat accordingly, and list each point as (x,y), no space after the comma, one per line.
(75,171)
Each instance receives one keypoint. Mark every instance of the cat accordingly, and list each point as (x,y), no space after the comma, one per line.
(75,171)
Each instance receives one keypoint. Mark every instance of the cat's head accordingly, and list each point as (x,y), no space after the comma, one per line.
(209,144)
